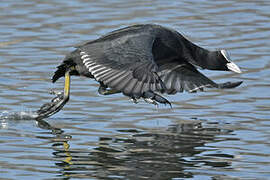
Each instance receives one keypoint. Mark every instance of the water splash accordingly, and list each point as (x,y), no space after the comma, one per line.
(23,115)
(6,117)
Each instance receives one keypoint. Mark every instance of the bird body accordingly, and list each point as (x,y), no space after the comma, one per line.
(144,61)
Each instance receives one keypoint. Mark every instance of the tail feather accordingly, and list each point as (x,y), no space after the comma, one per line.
(60,72)
(62,68)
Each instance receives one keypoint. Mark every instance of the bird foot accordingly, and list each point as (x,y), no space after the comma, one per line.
(150,101)
(56,104)
(153,98)
(134,100)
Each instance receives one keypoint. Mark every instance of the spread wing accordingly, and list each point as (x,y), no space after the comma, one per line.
(179,77)
(123,63)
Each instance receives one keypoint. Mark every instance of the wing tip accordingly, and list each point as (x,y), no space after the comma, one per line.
(228,85)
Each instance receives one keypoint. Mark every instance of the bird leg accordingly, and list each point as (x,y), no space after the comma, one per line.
(57,103)
(103,90)
(153,98)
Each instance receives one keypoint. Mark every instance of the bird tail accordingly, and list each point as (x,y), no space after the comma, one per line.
(60,72)
(66,65)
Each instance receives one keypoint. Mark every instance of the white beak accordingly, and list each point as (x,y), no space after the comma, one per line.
(233,67)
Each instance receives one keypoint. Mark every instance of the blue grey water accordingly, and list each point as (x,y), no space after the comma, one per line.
(216,134)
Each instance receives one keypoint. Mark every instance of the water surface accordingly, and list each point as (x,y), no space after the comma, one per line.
(217,134)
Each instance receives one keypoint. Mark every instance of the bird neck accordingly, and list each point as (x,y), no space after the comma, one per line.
(204,58)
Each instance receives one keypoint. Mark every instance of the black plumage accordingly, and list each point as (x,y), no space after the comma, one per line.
(142,59)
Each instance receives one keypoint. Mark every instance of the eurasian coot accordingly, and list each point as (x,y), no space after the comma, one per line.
(143,61)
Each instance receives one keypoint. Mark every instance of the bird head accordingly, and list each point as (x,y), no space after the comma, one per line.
(229,65)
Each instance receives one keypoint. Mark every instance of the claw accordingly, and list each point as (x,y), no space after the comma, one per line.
(153,98)
(162,100)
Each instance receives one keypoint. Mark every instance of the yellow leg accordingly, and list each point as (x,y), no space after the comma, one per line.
(67,84)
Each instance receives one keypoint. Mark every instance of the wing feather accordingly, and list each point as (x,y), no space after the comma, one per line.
(183,77)
(125,64)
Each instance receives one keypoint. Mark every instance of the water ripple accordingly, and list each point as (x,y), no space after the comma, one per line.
(213,134)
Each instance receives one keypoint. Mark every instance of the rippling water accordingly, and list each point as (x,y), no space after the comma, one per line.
(218,134)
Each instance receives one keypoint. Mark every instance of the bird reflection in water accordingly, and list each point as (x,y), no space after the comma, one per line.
(163,155)
(160,155)
(60,143)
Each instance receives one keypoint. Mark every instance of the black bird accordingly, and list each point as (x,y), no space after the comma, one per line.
(142,61)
